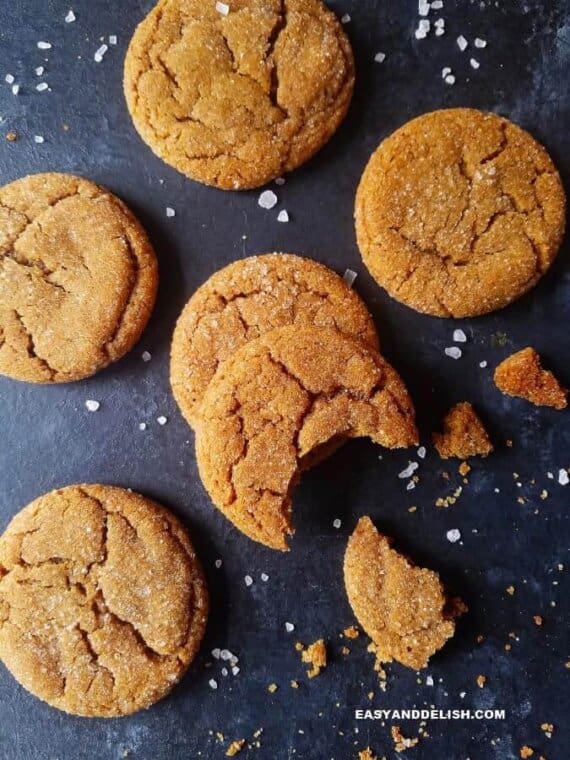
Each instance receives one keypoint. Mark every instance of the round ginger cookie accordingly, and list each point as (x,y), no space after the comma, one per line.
(78,278)
(247,299)
(459,213)
(275,403)
(103,602)
(236,99)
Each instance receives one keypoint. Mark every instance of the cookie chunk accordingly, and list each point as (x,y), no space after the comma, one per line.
(103,603)
(275,403)
(459,212)
(401,607)
(463,434)
(522,375)
(247,299)
(234,99)
(78,279)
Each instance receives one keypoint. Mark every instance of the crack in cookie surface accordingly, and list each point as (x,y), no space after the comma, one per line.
(78,278)
(459,212)
(277,400)
(236,100)
(248,298)
(102,600)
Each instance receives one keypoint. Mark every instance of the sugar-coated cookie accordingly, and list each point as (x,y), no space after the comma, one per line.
(103,603)
(459,212)
(78,278)
(235,94)
(275,403)
(247,299)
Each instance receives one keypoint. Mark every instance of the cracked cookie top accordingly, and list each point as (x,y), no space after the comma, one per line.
(103,603)
(401,607)
(247,299)
(276,404)
(236,100)
(459,212)
(78,278)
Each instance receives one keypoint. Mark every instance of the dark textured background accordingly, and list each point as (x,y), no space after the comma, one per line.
(48,439)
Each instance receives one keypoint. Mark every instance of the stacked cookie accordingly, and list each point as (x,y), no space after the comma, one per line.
(275,363)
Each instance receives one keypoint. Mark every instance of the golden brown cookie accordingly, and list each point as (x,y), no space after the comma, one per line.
(522,375)
(103,603)
(234,99)
(248,298)
(275,403)
(459,212)
(403,608)
(463,434)
(78,278)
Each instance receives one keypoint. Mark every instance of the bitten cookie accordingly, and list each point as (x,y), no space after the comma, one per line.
(103,603)
(275,403)
(235,94)
(78,278)
(401,607)
(459,212)
(247,299)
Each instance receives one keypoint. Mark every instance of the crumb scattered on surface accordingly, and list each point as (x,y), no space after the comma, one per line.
(464,469)
(510,590)
(526,751)
(235,747)
(481,681)
(367,754)
(315,655)
(11,136)
(272,688)
(401,743)
(463,434)
(351,632)
(537,619)
(522,375)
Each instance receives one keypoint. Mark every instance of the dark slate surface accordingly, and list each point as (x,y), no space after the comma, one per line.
(48,439)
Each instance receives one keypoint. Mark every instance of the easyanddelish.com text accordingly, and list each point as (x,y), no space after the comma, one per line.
(430,714)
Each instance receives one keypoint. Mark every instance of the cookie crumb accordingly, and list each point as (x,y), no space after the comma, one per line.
(11,136)
(510,590)
(526,751)
(351,632)
(538,620)
(464,435)
(272,688)
(401,743)
(481,681)
(235,747)
(522,375)
(315,655)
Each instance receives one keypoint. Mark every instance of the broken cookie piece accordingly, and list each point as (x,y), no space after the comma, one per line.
(463,434)
(403,608)
(522,375)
